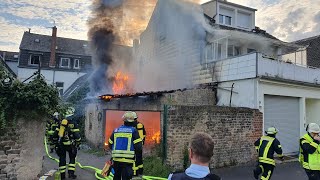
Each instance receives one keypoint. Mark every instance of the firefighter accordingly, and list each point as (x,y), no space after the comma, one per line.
(266,146)
(125,143)
(51,126)
(67,139)
(138,165)
(309,151)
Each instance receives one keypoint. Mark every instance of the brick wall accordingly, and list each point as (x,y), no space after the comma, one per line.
(22,150)
(234,131)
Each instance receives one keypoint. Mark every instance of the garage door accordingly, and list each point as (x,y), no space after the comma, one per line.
(283,113)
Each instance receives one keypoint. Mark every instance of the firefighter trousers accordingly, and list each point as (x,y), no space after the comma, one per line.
(138,165)
(62,151)
(313,174)
(122,170)
(265,170)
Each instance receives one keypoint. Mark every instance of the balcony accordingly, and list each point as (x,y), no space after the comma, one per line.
(251,66)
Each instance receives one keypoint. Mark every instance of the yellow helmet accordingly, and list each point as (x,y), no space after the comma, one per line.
(128,116)
(64,122)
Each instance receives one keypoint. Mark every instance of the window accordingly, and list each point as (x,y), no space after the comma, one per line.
(59,86)
(76,64)
(251,50)
(34,59)
(244,20)
(65,63)
(226,20)
(233,51)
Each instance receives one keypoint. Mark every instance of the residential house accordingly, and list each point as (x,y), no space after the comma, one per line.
(10,60)
(249,67)
(311,52)
(60,60)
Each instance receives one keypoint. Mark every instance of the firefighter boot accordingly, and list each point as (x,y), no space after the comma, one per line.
(63,176)
(72,175)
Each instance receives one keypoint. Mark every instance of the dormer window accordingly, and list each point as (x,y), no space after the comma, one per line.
(34,59)
(65,62)
(76,64)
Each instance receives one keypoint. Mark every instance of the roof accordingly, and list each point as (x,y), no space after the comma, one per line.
(80,82)
(232,4)
(256,31)
(9,56)
(306,41)
(64,45)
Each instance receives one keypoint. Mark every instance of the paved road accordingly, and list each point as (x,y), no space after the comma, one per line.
(285,171)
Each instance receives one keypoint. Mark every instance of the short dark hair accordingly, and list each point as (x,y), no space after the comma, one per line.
(202,146)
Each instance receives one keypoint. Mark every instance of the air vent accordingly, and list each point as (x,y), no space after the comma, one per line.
(16,56)
(37,40)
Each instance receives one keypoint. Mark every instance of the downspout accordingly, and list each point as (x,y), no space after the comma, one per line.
(164,140)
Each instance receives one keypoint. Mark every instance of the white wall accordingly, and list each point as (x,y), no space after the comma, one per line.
(244,93)
(313,111)
(52,76)
(280,69)
(210,8)
(237,21)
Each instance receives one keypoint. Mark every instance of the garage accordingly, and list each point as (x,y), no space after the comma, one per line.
(284,114)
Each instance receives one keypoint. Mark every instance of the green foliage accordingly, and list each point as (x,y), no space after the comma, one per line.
(186,161)
(26,99)
(153,166)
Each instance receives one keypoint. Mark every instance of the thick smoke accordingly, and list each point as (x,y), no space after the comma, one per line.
(102,37)
(172,43)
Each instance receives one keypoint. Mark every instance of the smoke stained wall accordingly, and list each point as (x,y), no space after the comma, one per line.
(172,43)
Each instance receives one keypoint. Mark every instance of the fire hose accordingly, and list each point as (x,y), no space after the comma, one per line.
(97,170)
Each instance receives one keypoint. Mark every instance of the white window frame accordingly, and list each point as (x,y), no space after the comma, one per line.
(61,59)
(224,20)
(31,55)
(74,64)
(60,88)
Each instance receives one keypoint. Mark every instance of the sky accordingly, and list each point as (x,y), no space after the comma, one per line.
(288,20)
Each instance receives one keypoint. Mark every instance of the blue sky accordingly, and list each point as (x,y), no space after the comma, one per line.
(285,19)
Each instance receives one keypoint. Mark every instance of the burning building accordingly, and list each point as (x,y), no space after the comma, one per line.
(217,57)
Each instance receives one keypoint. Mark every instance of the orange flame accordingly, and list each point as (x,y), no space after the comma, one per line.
(156,137)
(120,83)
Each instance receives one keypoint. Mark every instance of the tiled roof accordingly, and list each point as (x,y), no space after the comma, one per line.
(42,43)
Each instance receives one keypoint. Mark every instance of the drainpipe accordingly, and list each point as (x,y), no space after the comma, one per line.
(164,140)
(231,94)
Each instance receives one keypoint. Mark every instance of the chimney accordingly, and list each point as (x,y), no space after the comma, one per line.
(53,47)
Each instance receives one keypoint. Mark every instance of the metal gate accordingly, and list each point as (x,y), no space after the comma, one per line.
(283,113)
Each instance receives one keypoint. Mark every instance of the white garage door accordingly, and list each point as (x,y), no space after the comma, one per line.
(283,113)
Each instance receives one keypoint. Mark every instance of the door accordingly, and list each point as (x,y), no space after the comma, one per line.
(283,113)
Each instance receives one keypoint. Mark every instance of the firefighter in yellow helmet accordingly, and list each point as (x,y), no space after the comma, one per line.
(138,166)
(309,151)
(266,146)
(125,143)
(67,138)
(51,126)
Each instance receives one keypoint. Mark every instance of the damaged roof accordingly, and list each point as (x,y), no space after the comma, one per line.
(42,43)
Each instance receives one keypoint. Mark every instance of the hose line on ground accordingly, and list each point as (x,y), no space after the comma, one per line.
(97,171)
